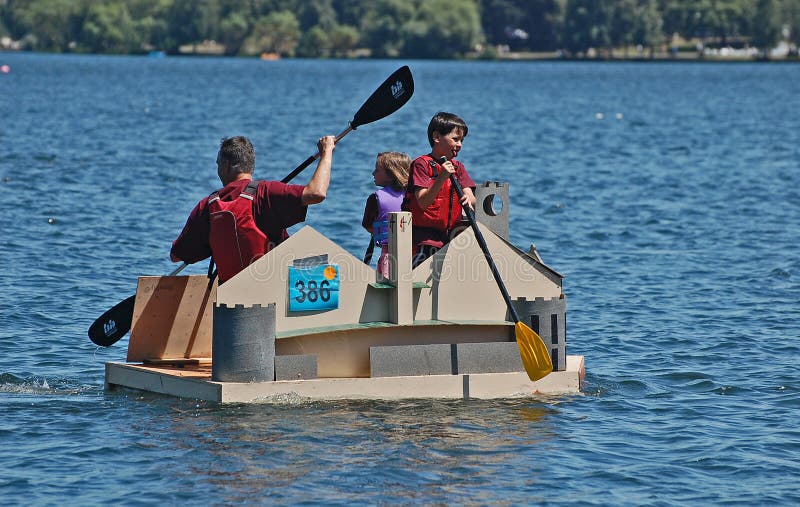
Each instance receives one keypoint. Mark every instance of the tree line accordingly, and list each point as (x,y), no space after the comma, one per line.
(395,28)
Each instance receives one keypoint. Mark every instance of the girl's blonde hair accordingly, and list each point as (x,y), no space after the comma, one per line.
(397,164)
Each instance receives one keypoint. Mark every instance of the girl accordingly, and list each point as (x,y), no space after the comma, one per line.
(391,174)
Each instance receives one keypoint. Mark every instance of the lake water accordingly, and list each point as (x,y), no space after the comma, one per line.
(667,194)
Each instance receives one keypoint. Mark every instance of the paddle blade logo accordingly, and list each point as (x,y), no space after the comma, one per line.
(110,327)
(398,89)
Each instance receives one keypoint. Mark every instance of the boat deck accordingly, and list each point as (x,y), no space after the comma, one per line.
(193,380)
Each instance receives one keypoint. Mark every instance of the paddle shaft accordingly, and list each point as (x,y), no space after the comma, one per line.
(390,96)
(307,162)
(178,269)
(369,250)
(482,243)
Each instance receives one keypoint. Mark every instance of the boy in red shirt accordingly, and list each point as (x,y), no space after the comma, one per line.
(431,199)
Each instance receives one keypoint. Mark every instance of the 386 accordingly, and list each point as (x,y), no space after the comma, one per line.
(313,291)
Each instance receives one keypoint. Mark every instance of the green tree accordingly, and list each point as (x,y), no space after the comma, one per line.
(648,29)
(767,32)
(442,29)
(47,25)
(541,23)
(538,19)
(351,12)
(150,22)
(233,30)
(623,23)
(730,18)
(382,26)
(312,13)
(336,41)
(108,28)
(342,39)
(587,24)
(140,9)
(277,32)
(191,21)
(313,43)
(499,15)
(791,10)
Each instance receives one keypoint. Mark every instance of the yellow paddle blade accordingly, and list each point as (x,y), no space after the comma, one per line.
(533,351)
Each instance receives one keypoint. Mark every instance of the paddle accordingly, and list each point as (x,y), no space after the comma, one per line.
(390,96)
(532,350)
(112,325)
(370,249)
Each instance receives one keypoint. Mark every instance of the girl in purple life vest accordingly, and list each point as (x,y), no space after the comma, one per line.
(391,174)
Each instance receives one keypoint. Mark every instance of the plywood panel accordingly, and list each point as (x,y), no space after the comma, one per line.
(172,318)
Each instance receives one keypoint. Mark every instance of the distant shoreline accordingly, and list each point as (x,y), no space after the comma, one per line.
(550,56)
(681,56)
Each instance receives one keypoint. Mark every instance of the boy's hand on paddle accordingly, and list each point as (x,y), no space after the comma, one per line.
(468,199)
(448,169)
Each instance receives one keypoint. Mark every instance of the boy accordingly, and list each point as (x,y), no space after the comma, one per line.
(430,197)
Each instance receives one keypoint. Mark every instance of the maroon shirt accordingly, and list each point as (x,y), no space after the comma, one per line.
(420,177)
(276,206)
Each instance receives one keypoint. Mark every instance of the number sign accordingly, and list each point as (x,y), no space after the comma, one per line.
(314,288)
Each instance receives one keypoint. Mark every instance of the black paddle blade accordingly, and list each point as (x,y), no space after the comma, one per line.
(112,325)
(388,98)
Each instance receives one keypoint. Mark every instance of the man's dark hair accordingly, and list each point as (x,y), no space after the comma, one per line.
(239,153)
(444,123)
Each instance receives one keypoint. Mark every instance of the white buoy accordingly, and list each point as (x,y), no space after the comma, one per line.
(618,116)
(599,116)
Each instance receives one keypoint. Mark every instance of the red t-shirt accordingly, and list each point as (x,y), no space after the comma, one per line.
(420,177)
(276,206)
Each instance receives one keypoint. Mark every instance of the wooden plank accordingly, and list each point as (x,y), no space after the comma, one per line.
(172,318)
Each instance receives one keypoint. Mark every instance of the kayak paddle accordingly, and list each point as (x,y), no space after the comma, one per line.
(390,96)
(532,350)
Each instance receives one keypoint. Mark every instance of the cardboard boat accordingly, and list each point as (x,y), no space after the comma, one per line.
(310,320)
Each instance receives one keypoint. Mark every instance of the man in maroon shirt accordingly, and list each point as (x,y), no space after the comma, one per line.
(272,208)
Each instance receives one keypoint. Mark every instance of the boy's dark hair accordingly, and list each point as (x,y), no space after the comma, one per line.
(239,153)
(444,123)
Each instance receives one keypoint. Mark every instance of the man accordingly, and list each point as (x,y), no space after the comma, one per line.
(246,219)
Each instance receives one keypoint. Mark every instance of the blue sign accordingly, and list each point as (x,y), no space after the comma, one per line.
(314,288)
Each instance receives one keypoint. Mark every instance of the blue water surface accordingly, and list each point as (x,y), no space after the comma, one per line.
(668,194)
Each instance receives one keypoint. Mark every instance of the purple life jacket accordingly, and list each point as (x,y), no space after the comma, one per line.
(389,200)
